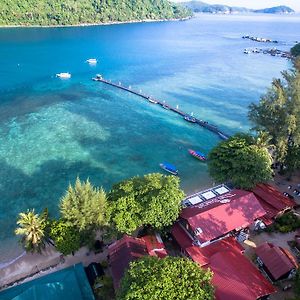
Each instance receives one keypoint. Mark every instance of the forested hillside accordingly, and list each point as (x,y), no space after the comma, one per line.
(71,12)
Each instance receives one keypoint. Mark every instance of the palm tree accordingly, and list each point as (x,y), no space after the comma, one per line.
(32,229)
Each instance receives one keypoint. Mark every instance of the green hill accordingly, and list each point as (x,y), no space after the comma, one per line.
(282,9)
(202,7)
(73,12)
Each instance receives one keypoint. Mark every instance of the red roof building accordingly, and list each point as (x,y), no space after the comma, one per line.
(204,231)
(128,249)
(277,262)
(220,215)
(202,255)
(234,276)
(273,201)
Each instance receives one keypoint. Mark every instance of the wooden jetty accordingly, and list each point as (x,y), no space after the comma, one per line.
(202,123)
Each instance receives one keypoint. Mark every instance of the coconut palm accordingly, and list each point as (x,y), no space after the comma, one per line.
(32,229)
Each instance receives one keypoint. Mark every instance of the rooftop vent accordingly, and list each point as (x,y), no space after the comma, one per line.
(225,201)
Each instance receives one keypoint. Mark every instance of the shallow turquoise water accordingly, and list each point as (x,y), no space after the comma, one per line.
(53,130)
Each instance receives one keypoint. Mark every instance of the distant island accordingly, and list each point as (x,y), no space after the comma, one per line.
(59,12)
(202,7)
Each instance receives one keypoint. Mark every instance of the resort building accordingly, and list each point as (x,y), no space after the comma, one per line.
(67,284)
(234,276)
(128,249)
(209,229)
(214,214)
(277,262)
(273,202)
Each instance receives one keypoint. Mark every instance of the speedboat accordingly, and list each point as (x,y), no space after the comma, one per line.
(190,118)
(152,100)
(63,75)
(197,155)
(169,168)
(92,61)
(98,77)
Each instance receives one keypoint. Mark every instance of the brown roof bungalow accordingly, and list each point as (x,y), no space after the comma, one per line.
(277,262)
(128,249)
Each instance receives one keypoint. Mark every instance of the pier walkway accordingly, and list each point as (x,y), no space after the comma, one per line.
(163,104)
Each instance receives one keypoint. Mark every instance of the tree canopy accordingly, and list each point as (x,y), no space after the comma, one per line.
(31,227)
(65,237)
(296,50)
(278,114)
(70,12)
(84,206)
(171,278)
(153,199)
(241,161)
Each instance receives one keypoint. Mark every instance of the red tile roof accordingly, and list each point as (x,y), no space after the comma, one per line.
(278,261)
(128,249)
(181,236)
(121,253)
(234,276)
(155,246)
(272,200)
(202,255)
(218,218)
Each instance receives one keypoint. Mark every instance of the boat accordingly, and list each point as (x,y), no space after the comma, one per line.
(152,100)
(63,75)
(169,168)
(92,61)
(197,154)
(98,77)
(165,106)
(190,118)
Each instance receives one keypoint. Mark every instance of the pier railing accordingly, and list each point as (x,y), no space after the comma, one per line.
(163,104)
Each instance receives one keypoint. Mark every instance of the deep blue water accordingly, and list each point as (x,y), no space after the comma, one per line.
(53,130)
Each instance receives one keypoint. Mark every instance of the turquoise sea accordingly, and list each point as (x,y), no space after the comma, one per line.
(53,130)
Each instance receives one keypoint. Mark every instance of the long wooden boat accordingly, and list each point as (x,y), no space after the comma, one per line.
(197,154)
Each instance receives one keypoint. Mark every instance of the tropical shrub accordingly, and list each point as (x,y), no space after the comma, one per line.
(65,237)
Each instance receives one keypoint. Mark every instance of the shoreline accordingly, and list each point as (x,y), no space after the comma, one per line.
(97,24)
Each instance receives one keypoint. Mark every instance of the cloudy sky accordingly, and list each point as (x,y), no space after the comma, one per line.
(295,4)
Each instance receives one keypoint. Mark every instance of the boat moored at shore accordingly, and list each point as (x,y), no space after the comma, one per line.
(197,154)
(169,168)
(190,118)
(152,100)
